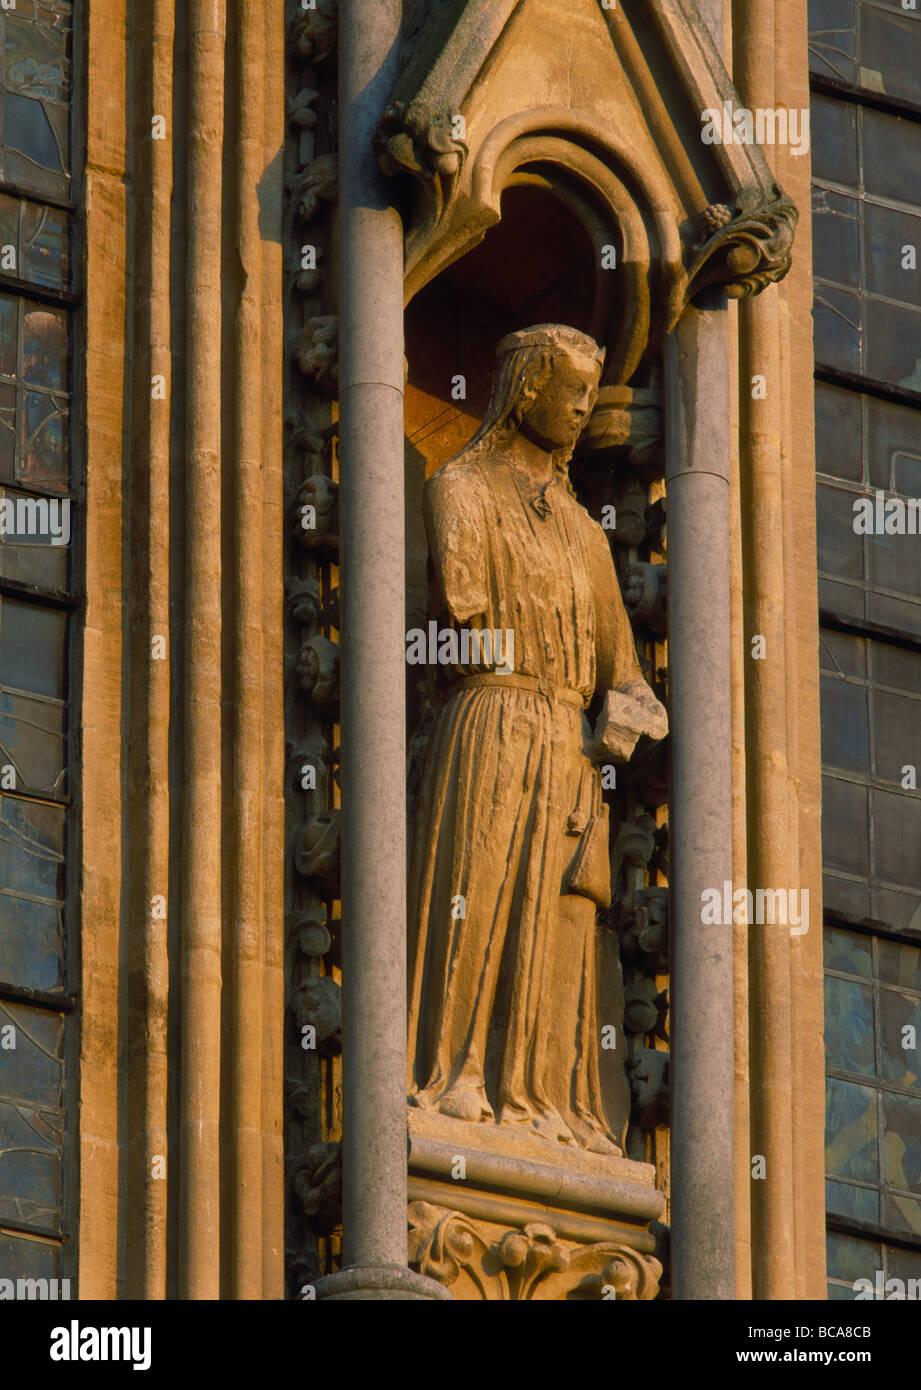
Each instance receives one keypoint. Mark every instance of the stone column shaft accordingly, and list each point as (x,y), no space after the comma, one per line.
(373,667)
(700,807)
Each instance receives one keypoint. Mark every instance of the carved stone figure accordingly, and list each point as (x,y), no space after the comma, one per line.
(510,858)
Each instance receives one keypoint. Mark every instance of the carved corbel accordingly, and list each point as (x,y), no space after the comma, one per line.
(317,1184)
(316,514)
(316,351)
(648,1073)
(317,852)
(644,591)
(416,137)
(746,250)
(317,669)
(645,1005)
(317,1004)
(634,846)
(629,418)
(644,929)
(308,755)
(304,600)
(312,33)
(314,186)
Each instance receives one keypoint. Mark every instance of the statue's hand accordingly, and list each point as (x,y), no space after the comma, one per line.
(628,712)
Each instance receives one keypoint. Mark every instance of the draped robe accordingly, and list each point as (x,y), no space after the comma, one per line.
(510,853)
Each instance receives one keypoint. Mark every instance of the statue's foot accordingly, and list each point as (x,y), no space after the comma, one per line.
(547,1123)
(591,1137)
(466,1103)
(552,1126)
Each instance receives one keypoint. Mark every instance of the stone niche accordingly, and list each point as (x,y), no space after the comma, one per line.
(551,171)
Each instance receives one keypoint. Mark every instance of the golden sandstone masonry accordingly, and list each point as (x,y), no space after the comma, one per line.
(460,655)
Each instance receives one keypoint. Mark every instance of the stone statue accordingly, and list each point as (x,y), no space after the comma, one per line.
(510,857)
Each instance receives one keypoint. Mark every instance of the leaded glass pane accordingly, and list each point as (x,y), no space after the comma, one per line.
(845,730)
(906,1264)
(890,50)
(891,156)
(899,1038)
(33,745)
(31,1116)
(843,654)
(900,965)
(855,1203)
(30,1166)
(851,1131)
(893,347)
(849,1036)
(848,952)
(31,851)
(22,1257)
(838,326)
(32,648)
(34,535)
(844,895)
(34,127)
(833,39)
(33,355)
(838,433)
(845,837)
(896,733)
(893,441)
(897,838)
(836,237)
(32,944)
(850,1258)
(887,231)
(833,126)
(902,1141)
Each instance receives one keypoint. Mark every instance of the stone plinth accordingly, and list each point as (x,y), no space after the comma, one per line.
(500,1214)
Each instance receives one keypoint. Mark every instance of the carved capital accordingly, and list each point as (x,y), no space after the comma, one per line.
(750,250)
(526,1264)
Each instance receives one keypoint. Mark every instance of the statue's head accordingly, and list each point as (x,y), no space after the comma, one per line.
(544,386)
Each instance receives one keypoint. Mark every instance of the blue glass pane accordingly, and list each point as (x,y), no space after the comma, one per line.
(850,1258)
(31,851)
(845,835)
(833,126)
(31,944)
(24,1258)
(849,1038)
(848,952)
(900,1038)
(851,1129)
(902,1120)
(845,730)
(890,51)
(833,39)
(853,1203)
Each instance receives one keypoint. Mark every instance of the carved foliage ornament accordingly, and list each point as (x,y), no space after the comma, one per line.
(748,251)
(524,1265)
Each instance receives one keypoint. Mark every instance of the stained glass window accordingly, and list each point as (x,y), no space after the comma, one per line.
(37,294)
(865,62)
(35,130)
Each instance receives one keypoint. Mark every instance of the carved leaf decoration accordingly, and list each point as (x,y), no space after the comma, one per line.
(750,251)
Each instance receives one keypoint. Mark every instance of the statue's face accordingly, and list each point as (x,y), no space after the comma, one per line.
(557,415)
